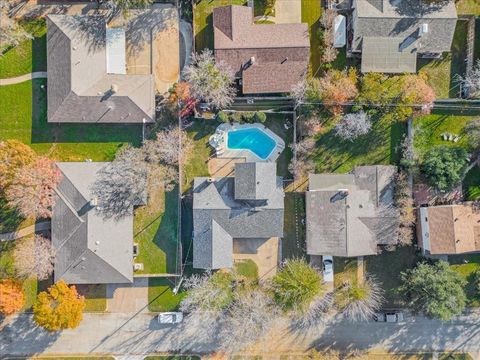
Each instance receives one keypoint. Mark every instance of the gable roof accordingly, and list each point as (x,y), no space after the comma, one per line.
(400,21)
(350,214)
(219,216)
(79,86)
(90,249)
(449,229)
(281,51)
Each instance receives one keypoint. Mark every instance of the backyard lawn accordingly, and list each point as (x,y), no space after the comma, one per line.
(379,146)
(311,13)
(386,269)
(345,270)
(440,73)
(468,7)
(29,55)
(465,265)
(429,129)
(161,296)
(203,21)
(23,117)
(155,231)
(471,184)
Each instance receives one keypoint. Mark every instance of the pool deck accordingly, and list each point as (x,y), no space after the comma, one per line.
(222,150)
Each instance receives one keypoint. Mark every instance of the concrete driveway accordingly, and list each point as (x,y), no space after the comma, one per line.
(288,11)
(125,298)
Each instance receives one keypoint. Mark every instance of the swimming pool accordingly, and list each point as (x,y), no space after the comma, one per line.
(253,139)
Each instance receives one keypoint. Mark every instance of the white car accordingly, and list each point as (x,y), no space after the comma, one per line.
(327,262)
(170,318)
(389,317)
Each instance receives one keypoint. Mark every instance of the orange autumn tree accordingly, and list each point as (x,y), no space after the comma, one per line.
(336,88)
(416,91)
(12,298)
(58,308)
(13,156)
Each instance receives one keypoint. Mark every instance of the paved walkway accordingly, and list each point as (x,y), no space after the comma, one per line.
(42,226)
(23,78)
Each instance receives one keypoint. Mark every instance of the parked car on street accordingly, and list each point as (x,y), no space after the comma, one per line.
(170,318)
(390,317)
(327,262)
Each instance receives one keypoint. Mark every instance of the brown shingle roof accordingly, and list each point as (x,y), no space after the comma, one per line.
(453,229)
(281,51)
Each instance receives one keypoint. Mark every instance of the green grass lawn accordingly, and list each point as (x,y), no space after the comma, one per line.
(379,146)
(247,268)
(465,265)
(293,241)
(200,132)
(429,128)
(155,231)
(468,7)
(95,297)
(345,270)
(440,73)
(311,13)
(471,184)
(161,296)
(203,21)
(29,55)
(386,268)
(23,117)
(276,122)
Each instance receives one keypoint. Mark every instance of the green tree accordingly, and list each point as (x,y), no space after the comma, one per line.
(58,308)
(444,167)
(296,285)
(435,290)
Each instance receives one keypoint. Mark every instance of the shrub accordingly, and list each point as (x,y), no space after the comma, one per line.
(352,126)
(260,117)
(11,296)
(223,117)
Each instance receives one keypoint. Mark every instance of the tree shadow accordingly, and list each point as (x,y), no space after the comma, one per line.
(22,336)
(45,132)
(10,217)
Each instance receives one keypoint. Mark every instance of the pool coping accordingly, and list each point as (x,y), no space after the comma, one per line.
(222,150)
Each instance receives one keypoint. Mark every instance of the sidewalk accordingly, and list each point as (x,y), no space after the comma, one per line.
(23,78)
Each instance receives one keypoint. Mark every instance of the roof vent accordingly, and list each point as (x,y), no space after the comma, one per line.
(423,29)
(93,202)
(210,180)
(252,60)
(284,60)
(97,242)
(114,88)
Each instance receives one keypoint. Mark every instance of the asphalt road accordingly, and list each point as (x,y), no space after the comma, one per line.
(140,334)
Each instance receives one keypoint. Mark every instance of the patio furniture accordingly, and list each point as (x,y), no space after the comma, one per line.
(456,138)
(444,136)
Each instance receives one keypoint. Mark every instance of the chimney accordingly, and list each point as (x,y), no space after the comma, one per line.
(423,29)
(114,88)
(93,202)
(252,60)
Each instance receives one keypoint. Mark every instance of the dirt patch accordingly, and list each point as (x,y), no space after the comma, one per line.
(166,58)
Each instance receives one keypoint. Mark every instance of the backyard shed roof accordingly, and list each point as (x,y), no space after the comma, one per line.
(80,87)
(90,249)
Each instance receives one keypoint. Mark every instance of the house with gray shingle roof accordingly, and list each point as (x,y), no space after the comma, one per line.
(351,214)
(241,208)
(266,58)
(90,249)
(391,34)
(87,76)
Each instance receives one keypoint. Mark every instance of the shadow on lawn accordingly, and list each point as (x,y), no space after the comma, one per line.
(44,132)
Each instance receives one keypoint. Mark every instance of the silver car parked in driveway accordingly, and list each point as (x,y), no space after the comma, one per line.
(170,318)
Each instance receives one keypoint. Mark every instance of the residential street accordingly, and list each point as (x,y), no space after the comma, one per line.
(140,334)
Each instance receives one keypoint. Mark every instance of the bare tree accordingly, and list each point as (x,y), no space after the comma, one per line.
(301,167)
(298,91)
(351,126)
(32,190)
(328,18)
(329,54)
(121,184)
(250,317)
(405,205)
(34,257)
(471,81)
(304,147)
(11,33)
(212,83)
(170,146)
(359,302)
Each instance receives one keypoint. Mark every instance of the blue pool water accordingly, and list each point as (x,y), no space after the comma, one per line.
(253,139)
